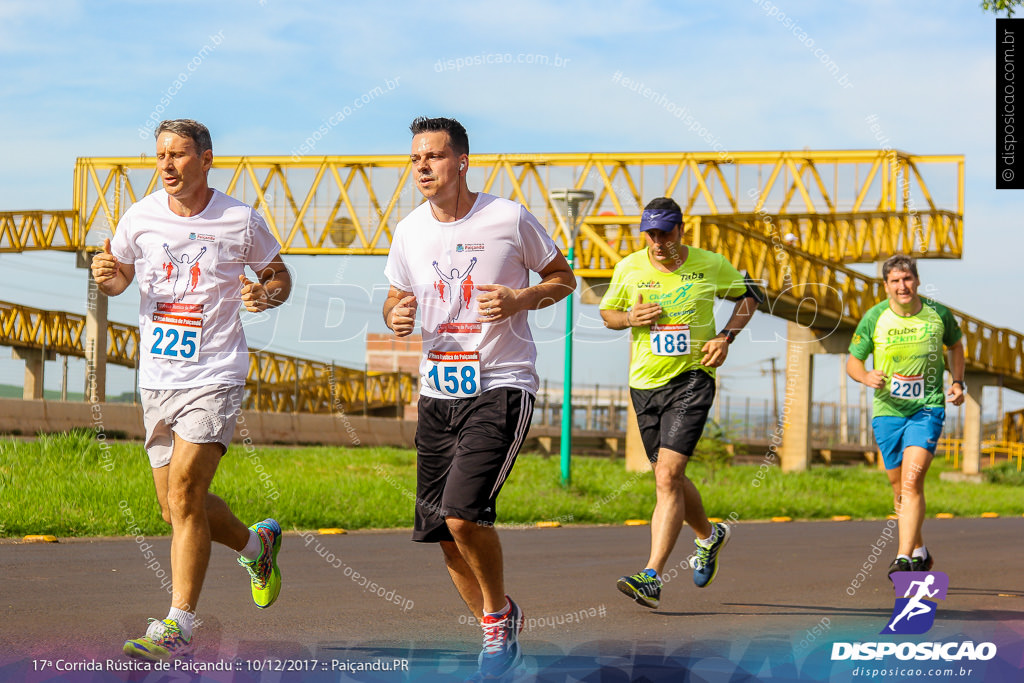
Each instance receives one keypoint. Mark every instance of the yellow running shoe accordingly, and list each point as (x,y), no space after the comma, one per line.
(163,641)
(266,575)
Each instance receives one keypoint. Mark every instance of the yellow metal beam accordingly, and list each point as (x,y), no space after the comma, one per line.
(881,202)
(29,230)
(302,198)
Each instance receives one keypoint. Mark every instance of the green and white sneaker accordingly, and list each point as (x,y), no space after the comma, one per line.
(264,572)
(163,641)
(705,564)
(642,587)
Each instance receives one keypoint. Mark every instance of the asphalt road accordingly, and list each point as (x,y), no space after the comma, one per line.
(784,594)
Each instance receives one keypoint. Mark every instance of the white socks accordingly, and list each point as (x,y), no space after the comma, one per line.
(500,613)
(253,548)
(185,620)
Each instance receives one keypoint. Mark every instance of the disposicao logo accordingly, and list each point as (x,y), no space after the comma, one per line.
(913,614)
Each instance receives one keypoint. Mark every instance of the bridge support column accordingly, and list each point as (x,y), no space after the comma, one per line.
(636,456)
(972,422)
(95,337)
(802,344)
(34,370)
(796,406)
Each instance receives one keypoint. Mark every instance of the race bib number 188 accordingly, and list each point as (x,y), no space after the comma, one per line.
(670,340)
(454,373)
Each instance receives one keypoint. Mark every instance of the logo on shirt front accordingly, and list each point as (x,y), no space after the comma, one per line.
(202,237)
(455,287)
(476,246)
(650,284)
(691,276)
(672,302)
(182,271)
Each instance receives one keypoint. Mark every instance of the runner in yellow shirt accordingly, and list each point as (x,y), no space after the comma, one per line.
(666,295)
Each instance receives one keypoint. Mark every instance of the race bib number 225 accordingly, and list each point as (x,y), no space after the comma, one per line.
(176,337)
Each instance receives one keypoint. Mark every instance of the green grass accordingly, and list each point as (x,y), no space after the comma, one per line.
(72,485)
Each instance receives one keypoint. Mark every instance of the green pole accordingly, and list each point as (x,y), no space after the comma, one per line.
(566,440)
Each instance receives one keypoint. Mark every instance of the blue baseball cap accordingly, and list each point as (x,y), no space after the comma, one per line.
(660,219)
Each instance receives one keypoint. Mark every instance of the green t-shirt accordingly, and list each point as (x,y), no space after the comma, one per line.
(687,298)
(909,351)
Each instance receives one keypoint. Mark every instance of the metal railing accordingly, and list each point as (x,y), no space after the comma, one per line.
(952,449)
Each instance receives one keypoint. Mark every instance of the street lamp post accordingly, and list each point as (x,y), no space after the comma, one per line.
(572,205)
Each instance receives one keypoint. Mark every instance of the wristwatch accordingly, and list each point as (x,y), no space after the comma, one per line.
(963,384)
(730,335)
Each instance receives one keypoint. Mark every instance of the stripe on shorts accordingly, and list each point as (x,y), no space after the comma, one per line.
(517,442)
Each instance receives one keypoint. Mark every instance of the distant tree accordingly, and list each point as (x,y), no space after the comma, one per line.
(997,6)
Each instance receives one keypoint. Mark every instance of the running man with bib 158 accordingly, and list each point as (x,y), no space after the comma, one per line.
(477,375)
(906,333)
(188,246)
(665,295)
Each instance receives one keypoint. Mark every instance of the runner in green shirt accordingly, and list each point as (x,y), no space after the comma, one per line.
(666,295)
(906,334)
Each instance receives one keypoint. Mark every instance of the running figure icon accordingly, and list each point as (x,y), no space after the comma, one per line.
(182,281)
(465,285)
(915,606)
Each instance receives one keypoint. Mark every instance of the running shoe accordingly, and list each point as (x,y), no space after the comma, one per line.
(642,587)
(705,560)
(501,651)
(163,641)
(922,564)
(265,574)
(900,565)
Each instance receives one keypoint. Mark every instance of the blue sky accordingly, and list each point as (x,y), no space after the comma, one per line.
(82,79)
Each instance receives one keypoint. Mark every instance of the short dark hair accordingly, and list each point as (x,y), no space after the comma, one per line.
(899,262)
(662,204)
(456,133)
(187,128)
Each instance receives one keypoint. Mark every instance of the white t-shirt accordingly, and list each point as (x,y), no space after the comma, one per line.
(497,242)
(190,332)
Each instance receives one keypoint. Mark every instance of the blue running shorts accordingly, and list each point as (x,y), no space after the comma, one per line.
(894,434)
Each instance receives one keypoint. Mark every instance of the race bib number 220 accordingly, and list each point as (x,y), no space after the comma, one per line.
(907,387)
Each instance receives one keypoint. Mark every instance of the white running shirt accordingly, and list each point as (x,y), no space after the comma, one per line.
(497,242)
(190,333)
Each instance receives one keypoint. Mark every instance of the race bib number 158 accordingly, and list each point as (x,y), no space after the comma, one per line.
(454,373)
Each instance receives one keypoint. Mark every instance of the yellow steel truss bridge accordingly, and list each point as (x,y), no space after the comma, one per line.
(795,219)
(277,382)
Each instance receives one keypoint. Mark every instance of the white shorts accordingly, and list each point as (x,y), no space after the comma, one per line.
(198,415)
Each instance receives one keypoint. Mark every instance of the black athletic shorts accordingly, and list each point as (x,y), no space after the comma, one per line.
(673,416)
(465,449)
